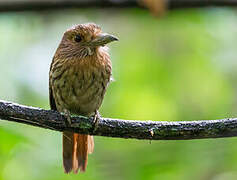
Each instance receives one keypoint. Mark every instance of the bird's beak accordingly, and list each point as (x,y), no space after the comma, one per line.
(103,39)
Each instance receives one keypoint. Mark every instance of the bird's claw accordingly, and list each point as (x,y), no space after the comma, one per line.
(96,120)
(68,116)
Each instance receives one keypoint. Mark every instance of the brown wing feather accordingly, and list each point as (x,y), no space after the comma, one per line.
(51,97)
(52,100)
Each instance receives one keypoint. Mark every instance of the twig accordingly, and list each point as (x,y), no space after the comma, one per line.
(151,130)
(37,5)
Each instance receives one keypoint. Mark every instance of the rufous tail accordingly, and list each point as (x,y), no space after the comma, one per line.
(76,148)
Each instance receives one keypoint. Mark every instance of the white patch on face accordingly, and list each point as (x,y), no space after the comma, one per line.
(104,48)
(90,52)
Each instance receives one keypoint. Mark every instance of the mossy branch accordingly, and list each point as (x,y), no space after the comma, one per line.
(151,130)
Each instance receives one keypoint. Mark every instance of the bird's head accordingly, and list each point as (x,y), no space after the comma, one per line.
(83,40)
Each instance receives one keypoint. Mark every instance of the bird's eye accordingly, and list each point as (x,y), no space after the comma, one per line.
(78,38)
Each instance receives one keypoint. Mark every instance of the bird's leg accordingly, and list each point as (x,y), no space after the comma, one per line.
(96,120)
(68,115)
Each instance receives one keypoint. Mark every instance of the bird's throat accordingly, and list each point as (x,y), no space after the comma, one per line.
(90,51)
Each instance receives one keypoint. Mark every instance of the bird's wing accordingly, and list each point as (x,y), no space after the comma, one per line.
(51,97)
(52,100)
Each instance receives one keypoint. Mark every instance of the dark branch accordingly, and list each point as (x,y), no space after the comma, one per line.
(174,4)
(152,130)
(38,5)
(26,5)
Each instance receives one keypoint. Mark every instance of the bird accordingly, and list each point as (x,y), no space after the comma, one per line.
(79,75)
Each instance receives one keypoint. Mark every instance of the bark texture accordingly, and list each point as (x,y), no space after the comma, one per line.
(151,130)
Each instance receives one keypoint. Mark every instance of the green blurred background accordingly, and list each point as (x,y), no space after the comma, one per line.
(178,67)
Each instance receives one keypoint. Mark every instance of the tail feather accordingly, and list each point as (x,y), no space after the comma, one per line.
(90,144)
(75,161)
(75,151)
(67,151)
(82,152)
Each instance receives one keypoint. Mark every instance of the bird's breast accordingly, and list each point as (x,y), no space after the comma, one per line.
(80,87)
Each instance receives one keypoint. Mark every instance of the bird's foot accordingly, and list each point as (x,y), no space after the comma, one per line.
(96,120)
(68,116)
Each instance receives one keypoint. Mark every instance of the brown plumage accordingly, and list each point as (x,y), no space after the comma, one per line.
(79,75)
